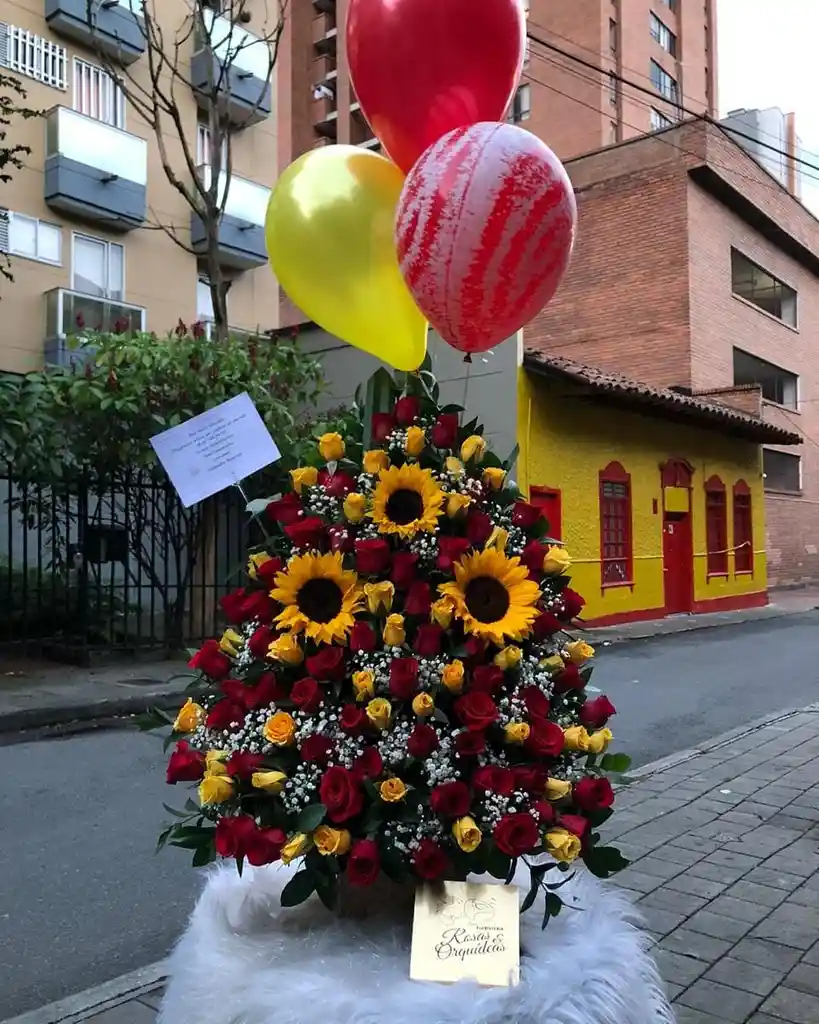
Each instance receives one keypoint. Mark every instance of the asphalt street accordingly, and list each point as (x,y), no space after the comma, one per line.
(83,898)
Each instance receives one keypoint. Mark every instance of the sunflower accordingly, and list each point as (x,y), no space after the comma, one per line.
(406,500)
(493,596)
(319,596)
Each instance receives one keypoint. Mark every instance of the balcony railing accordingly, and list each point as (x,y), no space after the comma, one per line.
(241,231)
(68,312)
(238,62)
(115,26)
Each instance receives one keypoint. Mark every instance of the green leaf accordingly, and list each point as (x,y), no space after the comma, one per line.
(615,763)
(598,818)
(510,874)
(179,814)
(300,887)
(204,855)
(604,861)
(553,906)
(510,460)
(536,873)
(497,862)
(310,818)
(327,890)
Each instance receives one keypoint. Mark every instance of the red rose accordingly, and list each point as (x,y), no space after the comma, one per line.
(418,599)
(368,764)
(266,691)
(450,800)
(544,810)
(327,664)
(525,515)
(516,834)
(404,678)
(340,539)
(362,637)
(428,640)
(306,533)
(340,792)
(487,679)
(226,715)
(285,510)
(243,765)
(266,572)
(476,710)
(383,425)
(494,778)
(597,712)
(545,739)
(232,605)
(569,679)
(403,569)
(407,410)
(573,605)
(258,605)
(337,484)
(235,691)
(575,824)
(260,642)
(531,778)
(592,794)
(264,846)
(372,556)
(317,749)
(185,764)
(307,695)
(450,551)
(210,660)
(233,834)
(363,863)
(532,557)
(470,744)
(478,527)
(444,432)
(422,741)
(429,860)
(352,719)
(546,625)
(475,648)
(537,703)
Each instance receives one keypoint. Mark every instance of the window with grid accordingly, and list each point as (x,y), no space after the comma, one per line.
(662,34)
(521,108)
(743,528)
(659,121)
(31,55)
(97,95)
(616,557)
(716,527)
(751,282)
(664,83)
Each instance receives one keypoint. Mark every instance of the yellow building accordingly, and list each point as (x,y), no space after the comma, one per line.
(657,495)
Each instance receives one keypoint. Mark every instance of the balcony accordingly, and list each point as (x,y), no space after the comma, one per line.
(325,117)
(241,231)
(325,6)
(113,26)
(93,171)
(67,312)
(325,36)
(236,63)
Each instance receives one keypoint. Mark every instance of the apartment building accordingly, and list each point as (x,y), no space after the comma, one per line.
(81,218)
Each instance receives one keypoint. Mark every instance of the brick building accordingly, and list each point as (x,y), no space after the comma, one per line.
(696,269)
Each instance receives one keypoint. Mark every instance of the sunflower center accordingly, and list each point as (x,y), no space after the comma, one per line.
(405,506)
(486,598)
(320,600)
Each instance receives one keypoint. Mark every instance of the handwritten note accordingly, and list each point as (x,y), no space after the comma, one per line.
(215,449)
(466,930)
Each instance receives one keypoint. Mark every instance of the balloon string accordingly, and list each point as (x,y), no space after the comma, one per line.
(468,362)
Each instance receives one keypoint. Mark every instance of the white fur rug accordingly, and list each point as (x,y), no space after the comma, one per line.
(246,960)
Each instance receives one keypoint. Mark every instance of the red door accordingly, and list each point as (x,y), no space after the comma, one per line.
(678,562)
(547,499)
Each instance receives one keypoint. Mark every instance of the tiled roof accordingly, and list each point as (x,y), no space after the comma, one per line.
(661,401)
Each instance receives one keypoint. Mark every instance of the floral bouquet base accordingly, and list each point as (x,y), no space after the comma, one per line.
(246,959)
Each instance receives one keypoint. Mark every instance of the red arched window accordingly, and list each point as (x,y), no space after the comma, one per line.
(716,527)
(676,473)
(616,556)
(743,528)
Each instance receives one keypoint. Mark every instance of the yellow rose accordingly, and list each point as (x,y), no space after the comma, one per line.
(254,562)
(374,461)
(215,762)
(231,642)
(286,649)
(280,730)
(598,741)
(557,789)
(498,539)
(423,705)
(576,738)
(394,633)
(453,466)
(304,476)
(453,676)
(215,789)
(563,845)
(392,791)
(191,716)
(270,782)
(467,834)
(556,561)
(332,841)
(331,447)
(516,732)
(456,503)
(508,658)
(553,664)
(379,596)
(355,507)
(474,447)
(579,652)
(493,477)
(295,846)
(416,441)
(363,685)
(442,612)
(379,712)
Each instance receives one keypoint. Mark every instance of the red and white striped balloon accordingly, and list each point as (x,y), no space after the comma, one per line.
(484,231)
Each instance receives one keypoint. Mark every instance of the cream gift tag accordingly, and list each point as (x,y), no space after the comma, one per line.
(466,930)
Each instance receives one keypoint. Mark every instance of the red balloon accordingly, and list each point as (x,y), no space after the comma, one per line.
(484,231)
(420,68)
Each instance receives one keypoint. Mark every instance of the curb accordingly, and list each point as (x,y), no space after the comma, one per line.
(43,718)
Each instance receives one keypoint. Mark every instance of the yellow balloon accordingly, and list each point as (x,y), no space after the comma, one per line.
(330,238)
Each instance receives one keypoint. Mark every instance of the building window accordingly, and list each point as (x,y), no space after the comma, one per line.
(32,238)
(614,45)
(662,34)
(204,299)
(98,268)
(743,529)
(203,146)
(716,527)
(782,471)
(31,55)
(659,121)
(670,4)
(665,85)
(777,385)
(614,88)
(750,282)
(616,558)
(97,95)
(521,108)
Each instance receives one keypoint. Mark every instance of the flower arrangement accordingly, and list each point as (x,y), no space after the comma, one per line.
(396,690)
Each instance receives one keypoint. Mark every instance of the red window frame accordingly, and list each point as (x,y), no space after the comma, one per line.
(743,529)
(616,554)
(550,501)
(716,527)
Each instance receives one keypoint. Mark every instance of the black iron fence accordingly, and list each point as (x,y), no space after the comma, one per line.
(116,567)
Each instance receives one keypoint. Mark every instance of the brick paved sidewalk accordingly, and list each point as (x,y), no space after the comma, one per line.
(725,867)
